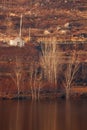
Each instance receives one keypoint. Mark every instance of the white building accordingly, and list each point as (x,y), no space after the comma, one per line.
(17,42)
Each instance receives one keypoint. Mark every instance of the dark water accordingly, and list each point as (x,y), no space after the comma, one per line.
(43,115)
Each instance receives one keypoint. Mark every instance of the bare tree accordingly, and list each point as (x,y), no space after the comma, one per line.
(35,80)
(50,59)
(39,81)
(17,73)
(70,73)
(31,70)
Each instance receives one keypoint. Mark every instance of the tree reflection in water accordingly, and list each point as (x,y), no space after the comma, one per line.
(43,115)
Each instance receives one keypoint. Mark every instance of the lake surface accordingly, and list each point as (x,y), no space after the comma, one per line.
(43,115)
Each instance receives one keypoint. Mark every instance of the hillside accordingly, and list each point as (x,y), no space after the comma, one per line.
(32,70)
(65,19)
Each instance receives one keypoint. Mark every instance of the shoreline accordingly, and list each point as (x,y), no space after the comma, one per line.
(43,96)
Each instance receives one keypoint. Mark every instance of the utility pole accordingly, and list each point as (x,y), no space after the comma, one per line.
(20,26)
(29,35)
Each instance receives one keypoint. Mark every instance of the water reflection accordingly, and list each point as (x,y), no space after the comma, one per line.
(67,115)
(43,115)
